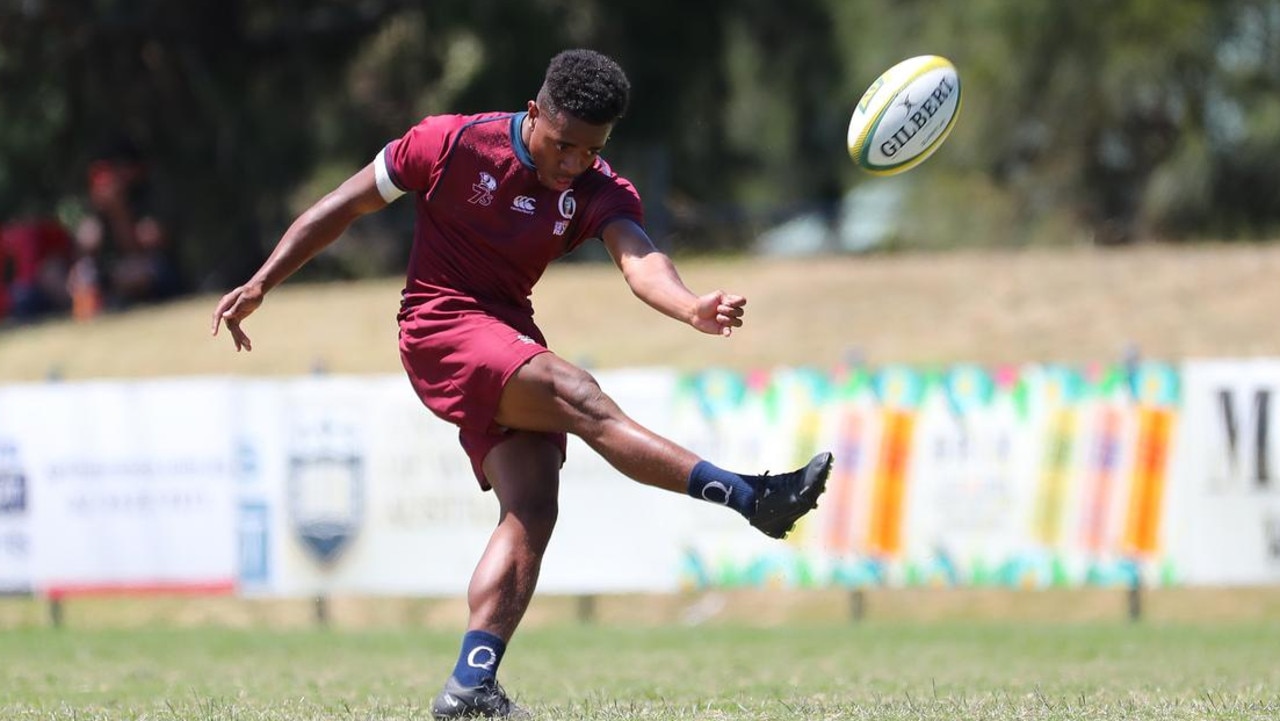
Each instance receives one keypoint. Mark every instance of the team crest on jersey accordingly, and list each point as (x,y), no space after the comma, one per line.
(483,190)
(567,205)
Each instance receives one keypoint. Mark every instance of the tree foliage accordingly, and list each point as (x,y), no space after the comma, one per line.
(1131,120)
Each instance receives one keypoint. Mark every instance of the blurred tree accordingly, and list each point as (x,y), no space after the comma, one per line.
(1099,95)
(238,104)
(1240,122)
(220,96)
(1133,119)
(1144,118)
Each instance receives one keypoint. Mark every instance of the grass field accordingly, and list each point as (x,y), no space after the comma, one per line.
(870,671)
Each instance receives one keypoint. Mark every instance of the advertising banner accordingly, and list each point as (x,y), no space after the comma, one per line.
(615,535)
(1228,515)
(350,485)
(127,485)
(1024,477)
(15,521)
(1032,476)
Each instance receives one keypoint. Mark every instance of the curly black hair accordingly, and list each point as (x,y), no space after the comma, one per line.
(587,85)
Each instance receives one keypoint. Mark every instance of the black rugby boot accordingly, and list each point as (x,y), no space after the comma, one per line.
(781,500)
(487,700)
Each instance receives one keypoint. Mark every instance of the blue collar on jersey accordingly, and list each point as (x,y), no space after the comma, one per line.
(517,141)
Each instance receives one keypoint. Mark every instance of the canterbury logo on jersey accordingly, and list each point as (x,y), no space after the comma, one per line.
(523,204)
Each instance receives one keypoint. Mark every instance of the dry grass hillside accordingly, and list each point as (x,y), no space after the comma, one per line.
(1071,305)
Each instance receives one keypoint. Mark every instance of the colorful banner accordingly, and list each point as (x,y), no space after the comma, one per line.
(1026,477)
(1033,476)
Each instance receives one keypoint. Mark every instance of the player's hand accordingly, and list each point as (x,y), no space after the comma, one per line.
(718,313)
(234,308)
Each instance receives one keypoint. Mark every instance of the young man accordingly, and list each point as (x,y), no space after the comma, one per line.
(499,196)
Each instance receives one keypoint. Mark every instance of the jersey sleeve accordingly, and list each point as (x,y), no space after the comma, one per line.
(617,200)
(408,163)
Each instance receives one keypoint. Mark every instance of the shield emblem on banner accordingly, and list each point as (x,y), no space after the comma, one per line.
(326,501)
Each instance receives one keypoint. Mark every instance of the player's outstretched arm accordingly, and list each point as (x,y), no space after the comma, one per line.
(311,232)
(653,278)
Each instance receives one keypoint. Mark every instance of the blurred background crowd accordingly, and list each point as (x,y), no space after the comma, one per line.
(117,253)
(150,148)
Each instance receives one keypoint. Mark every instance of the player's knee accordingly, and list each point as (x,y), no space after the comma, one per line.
(580,391)
(538,514)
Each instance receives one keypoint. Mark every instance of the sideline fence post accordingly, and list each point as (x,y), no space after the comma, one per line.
(857,604)
(1135,596)
(321,606)
(56,611)
(586,609)
(1131,360)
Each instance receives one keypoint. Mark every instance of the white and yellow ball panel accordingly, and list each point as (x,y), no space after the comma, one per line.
(905,115)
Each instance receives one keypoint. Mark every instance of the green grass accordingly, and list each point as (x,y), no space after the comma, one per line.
(835,671)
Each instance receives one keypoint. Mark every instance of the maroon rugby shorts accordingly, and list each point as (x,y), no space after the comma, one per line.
(458,358)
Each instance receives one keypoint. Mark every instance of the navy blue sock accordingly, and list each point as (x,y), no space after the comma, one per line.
(479,659)
(726,488)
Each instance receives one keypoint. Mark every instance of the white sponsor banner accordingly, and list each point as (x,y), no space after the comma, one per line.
(1227,515)
(350,485)
(128,484)
(336,467)
(614,534)
(15,521)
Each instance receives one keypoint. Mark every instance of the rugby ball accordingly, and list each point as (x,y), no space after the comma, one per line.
(905,115)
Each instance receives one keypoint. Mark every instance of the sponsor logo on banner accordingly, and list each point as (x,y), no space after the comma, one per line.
(254,543)
(1228,498)
(1245,418)
(1244,415)
(1271,530)
(245,463)
(13,482)
(326,489)
(15,545)
(253,517)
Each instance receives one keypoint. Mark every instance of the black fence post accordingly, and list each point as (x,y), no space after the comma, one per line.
(857,604)
(321,606)
(56,611)
(1135,596)
(586,608)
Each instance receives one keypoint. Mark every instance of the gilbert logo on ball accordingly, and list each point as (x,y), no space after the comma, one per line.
(905,115)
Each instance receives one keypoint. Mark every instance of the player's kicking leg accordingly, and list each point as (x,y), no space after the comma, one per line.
(550,394)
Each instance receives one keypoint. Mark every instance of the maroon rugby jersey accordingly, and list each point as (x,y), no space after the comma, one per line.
(486,228)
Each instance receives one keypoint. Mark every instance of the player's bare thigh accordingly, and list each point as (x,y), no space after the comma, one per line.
(551,394)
